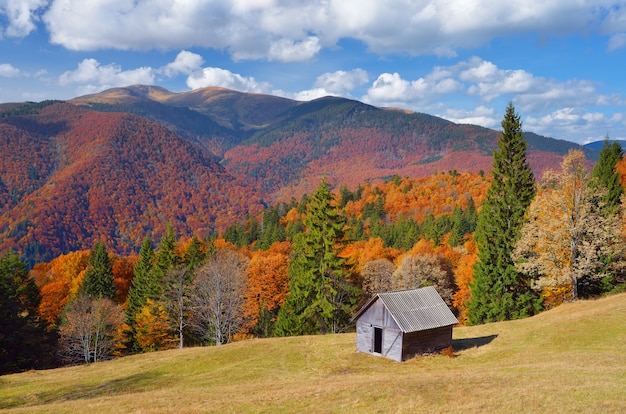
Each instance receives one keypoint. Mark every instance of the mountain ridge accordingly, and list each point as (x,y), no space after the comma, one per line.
(303,135)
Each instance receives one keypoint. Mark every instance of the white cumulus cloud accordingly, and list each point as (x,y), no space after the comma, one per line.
(225,79)
(90,76)
(481,115)
(9,71)
(285,50)
(485,80)
(390,89)
(576,122)
(21,16)
(339,83)
(296,30)
(185,63)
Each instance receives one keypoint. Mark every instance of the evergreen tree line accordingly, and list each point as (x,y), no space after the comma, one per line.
(401,233)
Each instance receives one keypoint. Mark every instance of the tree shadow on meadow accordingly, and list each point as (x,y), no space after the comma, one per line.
(131,384)
(467,343)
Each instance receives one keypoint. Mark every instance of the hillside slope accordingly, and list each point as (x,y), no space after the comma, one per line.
(569,359)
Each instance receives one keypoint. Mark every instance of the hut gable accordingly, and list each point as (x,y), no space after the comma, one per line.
(399,325)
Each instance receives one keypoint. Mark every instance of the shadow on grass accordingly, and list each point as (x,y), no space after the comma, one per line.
(128,385)
(467,343)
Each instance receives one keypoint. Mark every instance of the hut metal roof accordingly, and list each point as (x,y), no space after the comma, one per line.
(414,310)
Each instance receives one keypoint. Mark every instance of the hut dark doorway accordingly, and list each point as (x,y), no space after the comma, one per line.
(378,340)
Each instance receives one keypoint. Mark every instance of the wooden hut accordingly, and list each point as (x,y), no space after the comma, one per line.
(400,325)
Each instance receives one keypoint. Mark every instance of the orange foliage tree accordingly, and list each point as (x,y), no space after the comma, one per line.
(123,273)
(54,297)
(417,197)
(267,285)
(59,281)
(463,277)
(360,252)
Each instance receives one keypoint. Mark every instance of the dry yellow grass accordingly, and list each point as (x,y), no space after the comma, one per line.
(570,359)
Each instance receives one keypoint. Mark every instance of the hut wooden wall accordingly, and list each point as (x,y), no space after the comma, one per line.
(426,342)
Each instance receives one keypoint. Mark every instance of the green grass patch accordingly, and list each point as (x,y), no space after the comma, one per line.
(569,359)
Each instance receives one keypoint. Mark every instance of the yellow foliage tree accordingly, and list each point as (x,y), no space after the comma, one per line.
(568,238)
(153,328)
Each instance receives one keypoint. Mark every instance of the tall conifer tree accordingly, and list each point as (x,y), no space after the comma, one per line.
(145,285)
(24,341)
(606,176)
(98,282)
(460,227)
(167,258)
(470,215)
(319,295)
(499,291)
(194,256)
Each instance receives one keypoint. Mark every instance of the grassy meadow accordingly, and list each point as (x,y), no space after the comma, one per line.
(570,359)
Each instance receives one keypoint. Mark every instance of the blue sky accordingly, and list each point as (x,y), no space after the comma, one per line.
(561,62)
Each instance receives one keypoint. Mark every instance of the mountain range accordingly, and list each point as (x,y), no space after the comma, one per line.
(116,166)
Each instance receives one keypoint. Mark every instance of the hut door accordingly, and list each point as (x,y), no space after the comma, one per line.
(378,340)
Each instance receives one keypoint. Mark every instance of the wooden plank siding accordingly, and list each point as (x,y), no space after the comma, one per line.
(426,342)
(378,316)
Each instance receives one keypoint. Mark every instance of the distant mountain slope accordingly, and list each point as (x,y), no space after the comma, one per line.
(597,145)
(285,146)
(70,177)
(216,117)
(350,142)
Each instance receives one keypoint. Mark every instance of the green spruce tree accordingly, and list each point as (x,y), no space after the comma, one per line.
(319,296)
(470,215)
(98,281)
(405,233)
(606,181)
(291,318)
(607,178)
(24,341)
(460,227)
(166,258)
(194,256)
(145,285)
(500,292)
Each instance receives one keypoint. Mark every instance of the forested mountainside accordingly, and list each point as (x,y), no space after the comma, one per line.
(70,177)
(597,145)
(118,165)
